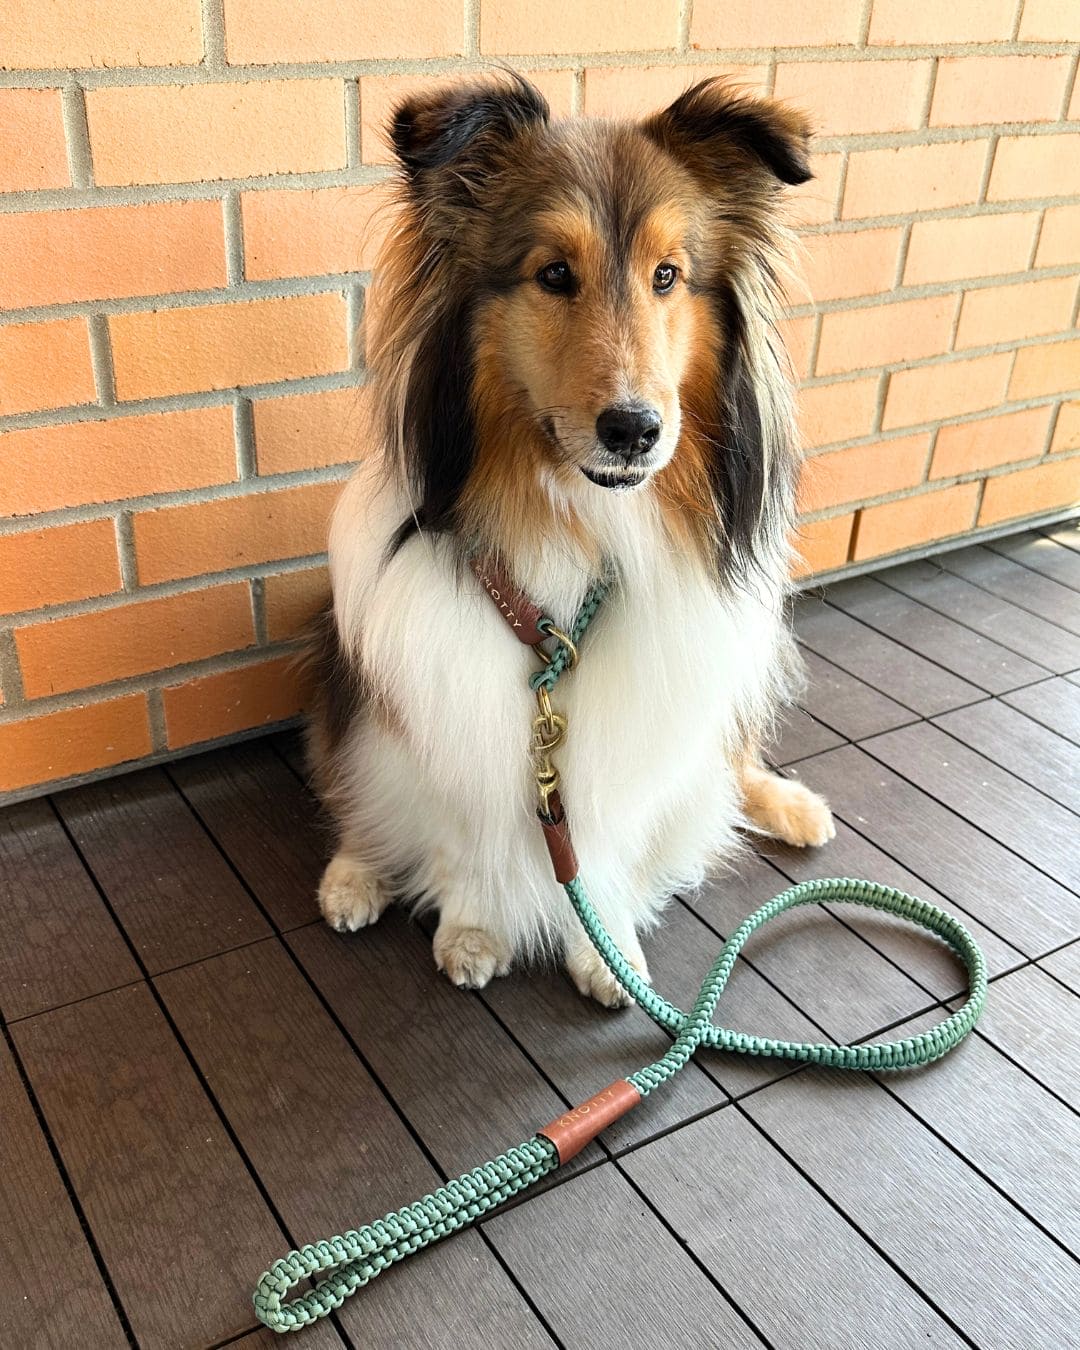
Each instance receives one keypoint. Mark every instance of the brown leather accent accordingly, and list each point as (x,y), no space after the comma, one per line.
(517,609)
(559,844)
(581,1124)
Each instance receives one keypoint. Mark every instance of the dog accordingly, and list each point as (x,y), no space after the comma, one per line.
(576,373)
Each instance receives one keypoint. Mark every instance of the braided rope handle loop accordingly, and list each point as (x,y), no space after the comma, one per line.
(353,1259)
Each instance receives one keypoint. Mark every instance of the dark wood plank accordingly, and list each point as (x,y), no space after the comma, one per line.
(459,1079)
(799,735)
(174,893)
(58,942)
(613,1275)
(1005,1124)
(970,655)
(1008,810)
(54,1295)
(900,674)
(850,706)
(1054,703)
(1028,590)
(266,822)
(778,1235)
(1067,535)
(925,959)
(974,873)
(1036,1020)
(1041,758)
(330,1149)
(1042,555)
(984,1265)
(847,987)
(1026,634)
(581,1047)
(318,1335)
(179,1222)
(1064,965)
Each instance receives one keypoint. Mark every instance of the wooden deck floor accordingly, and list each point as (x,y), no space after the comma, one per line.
(198,1075)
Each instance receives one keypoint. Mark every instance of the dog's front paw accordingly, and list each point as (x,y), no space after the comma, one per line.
(350,895)
(799,816)
(469,956)
(593,979)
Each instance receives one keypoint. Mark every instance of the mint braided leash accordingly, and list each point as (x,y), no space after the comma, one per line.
(350,1261)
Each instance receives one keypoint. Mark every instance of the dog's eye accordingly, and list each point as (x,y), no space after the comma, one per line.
(664,278)
(556,277)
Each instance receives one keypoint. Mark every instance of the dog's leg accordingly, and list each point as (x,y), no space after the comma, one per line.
(591,976)
(466,946)
(782,807)
(350,894)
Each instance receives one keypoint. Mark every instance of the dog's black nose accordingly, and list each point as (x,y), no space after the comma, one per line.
(628,431)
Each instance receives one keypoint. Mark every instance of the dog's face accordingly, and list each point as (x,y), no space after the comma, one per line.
(591,261)
(599,328)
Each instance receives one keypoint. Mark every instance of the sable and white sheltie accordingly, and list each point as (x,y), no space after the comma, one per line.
(575,368)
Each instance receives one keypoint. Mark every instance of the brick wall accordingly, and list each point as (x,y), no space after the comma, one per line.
(189,199)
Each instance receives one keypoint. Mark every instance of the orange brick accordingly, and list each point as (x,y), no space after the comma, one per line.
(855,338)
(950,389)
(58,256)
(32,151)
(830,413)
(1059,240)
(49,567)
(821,545)
(313,231)
(971,447)
(1053,368)
(972,90)
(1067,430)
(234,700)
(815,202)
(524,28)
(1048,21)
(1035,166)
(842,266)
(1026,492)
(46,468)
(380,94)
(184,541)
(45,365)
(635,91)
(78,740)
(293,599)
(260,32)
(182,133)
(899,23)
(913,178)
(79,33)
(311,431)
(911,521)
(798,336)
(862,472)
(1004,313)
(171,351)
(132,639)
(847,97)
(949,250)
(775,23)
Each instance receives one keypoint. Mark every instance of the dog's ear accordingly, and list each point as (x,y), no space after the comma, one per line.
(712,126)
(463,127)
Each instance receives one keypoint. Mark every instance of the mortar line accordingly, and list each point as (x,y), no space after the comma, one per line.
(76,137)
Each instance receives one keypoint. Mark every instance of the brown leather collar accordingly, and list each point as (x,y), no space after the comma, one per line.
(521,615)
